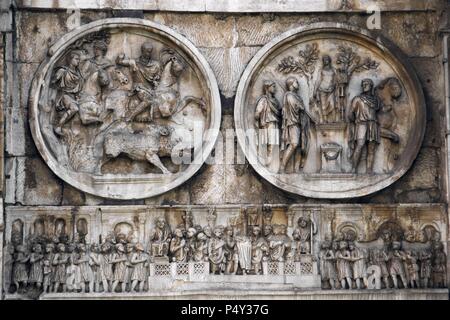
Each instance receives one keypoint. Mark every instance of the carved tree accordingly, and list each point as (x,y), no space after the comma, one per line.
(351,62)
(305,64)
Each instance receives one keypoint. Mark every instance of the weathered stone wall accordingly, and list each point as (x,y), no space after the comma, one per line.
(228,37)
(228,42)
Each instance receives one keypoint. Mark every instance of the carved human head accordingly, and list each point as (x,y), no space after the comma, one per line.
(302,222)
(120,248)
(81,247)
(146,50)
(269,87)
(437,246)
(256,231)
(268,230)
(207,231)
(161,223)
(100,48)
(106,247)
(95,248)
(61,247)
(130,247)
(292,84)
(229,231)
(178,232)
(37,248)
(218,232)
(325,245)
(326,60)
(201,236)
(351,246)
(21,248)
(10,249)
(139,247)
(395,88)
(343,245)
(71,247)
(73,58)
(335,245)
(191,232)
(367,85)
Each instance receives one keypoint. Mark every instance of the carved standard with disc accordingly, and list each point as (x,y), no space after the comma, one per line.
(124,108)
(327,111)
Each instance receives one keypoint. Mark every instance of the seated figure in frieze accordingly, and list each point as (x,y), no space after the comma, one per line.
(302,236)
(159,240)
(279,244)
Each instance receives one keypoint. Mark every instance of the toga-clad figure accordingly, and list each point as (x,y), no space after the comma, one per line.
(267,116)
(365,129)
(160,239)
(325,92)
(295,126)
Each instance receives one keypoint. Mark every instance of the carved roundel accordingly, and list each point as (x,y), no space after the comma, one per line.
(328,111)
(124,108)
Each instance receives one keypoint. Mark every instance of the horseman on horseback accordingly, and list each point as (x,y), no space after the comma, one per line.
(146,74)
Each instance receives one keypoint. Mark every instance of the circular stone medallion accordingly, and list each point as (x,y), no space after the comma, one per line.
(124,108)
(327,111)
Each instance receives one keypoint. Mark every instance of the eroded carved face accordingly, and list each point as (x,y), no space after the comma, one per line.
(37,248)
(178,233)
(75,60)
(367,86)
(161,223)
(191,232)
(268,230)
(326,60)
(302,223)
(146,50)
(395,90)
(202,237)
(218,232)
(256,231)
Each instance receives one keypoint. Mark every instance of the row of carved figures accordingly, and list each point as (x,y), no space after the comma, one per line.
(344,265)
(121,263)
